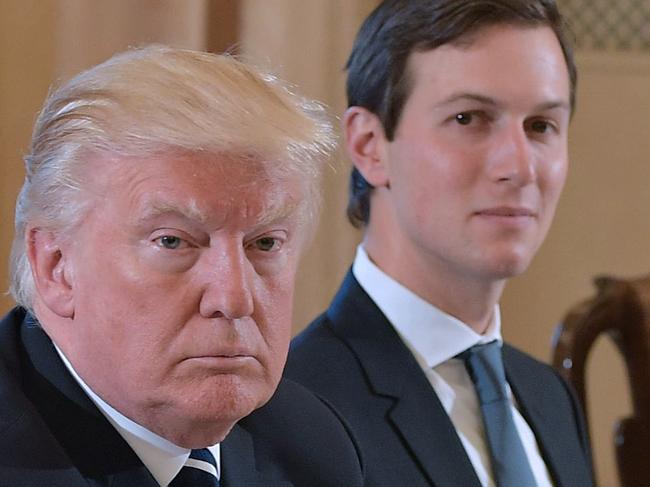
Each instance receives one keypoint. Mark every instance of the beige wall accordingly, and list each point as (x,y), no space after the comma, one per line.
(89,32)
(602,224)
(46,41)
(26,68)
(307,43)
(602,227)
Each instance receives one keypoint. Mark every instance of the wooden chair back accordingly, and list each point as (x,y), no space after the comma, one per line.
(620,310)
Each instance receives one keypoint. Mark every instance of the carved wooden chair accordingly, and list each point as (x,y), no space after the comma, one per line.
(621,310)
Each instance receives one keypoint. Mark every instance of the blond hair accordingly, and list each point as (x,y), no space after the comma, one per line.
(156,99)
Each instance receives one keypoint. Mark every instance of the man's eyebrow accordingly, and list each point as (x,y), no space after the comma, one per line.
(487,100)
(279,212)
(158,208)
(191,212)
(553,104)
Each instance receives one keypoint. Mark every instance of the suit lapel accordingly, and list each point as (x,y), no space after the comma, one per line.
(94,447)
(238,463)
(417,414)
(539,411)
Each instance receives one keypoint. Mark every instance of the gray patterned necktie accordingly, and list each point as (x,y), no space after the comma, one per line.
(200,470)
(510,465)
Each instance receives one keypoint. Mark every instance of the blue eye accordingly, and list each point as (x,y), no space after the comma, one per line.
(266,244)
(169,242)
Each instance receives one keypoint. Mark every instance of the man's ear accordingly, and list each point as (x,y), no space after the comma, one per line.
(50,271)
(366,144)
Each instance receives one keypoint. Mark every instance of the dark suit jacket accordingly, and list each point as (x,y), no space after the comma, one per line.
(353,357)
(52,435)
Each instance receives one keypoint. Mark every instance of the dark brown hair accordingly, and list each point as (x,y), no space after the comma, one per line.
(377,77)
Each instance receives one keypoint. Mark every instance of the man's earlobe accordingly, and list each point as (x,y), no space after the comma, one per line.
(50,272)
(366,144)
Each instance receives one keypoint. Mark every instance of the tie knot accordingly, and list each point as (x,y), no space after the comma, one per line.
(485,367)
(203,455)
(200,469)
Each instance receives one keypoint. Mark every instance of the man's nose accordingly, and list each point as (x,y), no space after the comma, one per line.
(513,160)
(228,283)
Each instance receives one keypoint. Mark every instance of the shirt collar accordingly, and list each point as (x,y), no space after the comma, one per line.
(161,457)
(430,332)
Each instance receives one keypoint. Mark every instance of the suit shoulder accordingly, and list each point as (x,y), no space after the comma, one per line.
(12,400)
(522,358)
(541,387)
(321,360)
(538,379)
(540,374)
(30,454)
(532,367)
(306,437)
(293,408)
(318,332)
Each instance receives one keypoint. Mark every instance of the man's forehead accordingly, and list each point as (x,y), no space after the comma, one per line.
(477,60)
(257,204)
(200,188)
(480,38)
(236,172)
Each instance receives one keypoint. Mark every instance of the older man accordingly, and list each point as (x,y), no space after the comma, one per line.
(167,199)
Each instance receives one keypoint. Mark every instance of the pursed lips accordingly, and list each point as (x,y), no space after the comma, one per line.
(222,352)
(223,362)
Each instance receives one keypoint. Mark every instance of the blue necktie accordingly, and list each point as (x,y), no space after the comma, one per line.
(200,470)
(509,461)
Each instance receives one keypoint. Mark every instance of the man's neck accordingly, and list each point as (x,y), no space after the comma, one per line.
(467,298)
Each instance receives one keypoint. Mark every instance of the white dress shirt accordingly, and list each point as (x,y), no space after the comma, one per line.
(161,457)
(435,338)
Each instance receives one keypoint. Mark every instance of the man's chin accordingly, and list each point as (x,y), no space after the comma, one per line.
(202,436)
(196,418)
(508,265)
(210,425)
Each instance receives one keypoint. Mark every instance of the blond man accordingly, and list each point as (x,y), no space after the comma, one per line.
(167,199)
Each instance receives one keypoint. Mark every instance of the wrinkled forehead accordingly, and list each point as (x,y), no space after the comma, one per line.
(239,170)
(198,185)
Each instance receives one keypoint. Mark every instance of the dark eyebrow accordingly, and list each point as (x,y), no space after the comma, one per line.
(486,100)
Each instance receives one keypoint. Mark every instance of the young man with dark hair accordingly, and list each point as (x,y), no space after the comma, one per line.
(457,127)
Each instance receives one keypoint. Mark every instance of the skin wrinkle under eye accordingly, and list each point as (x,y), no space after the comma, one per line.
(162,233)
(269,242)
(266,258)
(191,214)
